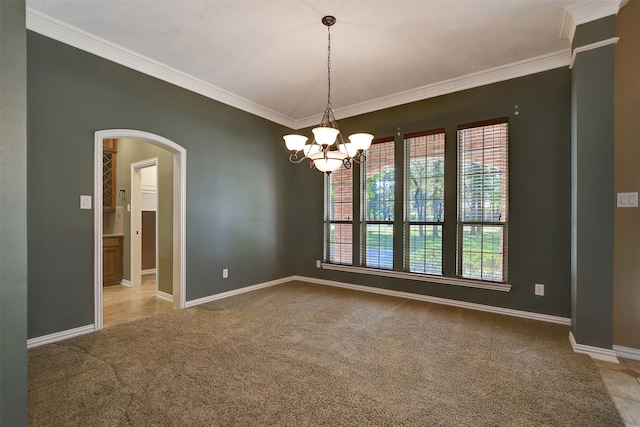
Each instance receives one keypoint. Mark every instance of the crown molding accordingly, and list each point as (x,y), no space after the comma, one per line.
(581,13)
(481,78)
(596,45)
(72,36)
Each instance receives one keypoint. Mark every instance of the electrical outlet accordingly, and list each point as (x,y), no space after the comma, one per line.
(318,264)
(628,200)
(539,289)
(225,273)
(85,202)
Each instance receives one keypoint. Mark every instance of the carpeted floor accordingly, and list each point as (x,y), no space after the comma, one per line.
(302,354)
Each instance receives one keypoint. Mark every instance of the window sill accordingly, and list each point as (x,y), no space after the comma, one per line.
(503,287)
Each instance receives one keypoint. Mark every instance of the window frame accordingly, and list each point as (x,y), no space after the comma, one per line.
(461,223)
(363,204)
(451,233)
(407,200)
(328,221)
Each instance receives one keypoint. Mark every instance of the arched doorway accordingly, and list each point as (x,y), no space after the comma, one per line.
(179,212)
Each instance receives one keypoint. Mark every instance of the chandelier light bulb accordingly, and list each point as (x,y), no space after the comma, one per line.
(325,135)
(295,142)
(361,141)
(349,149)
(328,161)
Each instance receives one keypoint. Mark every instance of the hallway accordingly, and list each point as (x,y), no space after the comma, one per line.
(123,304)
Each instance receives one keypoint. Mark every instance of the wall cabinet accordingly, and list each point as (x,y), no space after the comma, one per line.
(112,260)
(109,174)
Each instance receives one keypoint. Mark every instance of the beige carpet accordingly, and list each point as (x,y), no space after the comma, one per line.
(302,354)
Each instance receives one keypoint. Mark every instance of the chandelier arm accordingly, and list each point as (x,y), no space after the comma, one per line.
(293,158)
(359,158)
(328,141)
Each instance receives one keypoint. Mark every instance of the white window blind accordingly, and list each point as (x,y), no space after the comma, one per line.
(378,204)
(339,217)
(483,185)
(424,201)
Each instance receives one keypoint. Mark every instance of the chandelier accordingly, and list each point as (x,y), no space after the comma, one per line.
(328,151)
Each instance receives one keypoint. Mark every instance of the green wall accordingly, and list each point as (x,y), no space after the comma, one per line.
(131,151)
(592,186)
(540,189)
(248,206)
(239,180)
(13,208)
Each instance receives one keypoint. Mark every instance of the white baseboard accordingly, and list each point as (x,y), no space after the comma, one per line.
(233,292)
(627,352)
(127,283)
(59,336)
(602,353)
(595,352)
(148,271)
(164,296)
(437,300)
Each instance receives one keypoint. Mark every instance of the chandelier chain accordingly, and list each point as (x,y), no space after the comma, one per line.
(328,66)
(327,151)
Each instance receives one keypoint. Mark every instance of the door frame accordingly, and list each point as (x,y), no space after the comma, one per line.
(179,213)
(136,221)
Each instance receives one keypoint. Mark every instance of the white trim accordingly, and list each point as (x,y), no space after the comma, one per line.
(179,213)
(503,287)
(59,336)
(73,36)
(65,33)
(238,291)
(148,271)
(595,352)
(567,29)
(580,13)
(97,231)
(514,70)
(179,232)
(587,47)
(627,352)
(164,295)
(127,283)
(153,161)
(135,240)
(442,301)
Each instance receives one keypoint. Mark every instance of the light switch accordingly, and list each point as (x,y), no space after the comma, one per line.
(85,202)
(628,200)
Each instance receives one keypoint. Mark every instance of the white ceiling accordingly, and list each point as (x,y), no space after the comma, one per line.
(269,56)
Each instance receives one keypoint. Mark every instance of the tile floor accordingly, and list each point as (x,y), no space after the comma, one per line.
(124,304)
(623,383)
(121,304)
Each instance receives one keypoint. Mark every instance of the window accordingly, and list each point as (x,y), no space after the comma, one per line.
(468,248)
(339,217)
(378,204)
(424,201)
(482,200)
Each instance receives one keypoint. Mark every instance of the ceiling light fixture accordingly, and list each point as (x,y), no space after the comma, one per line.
(328,151)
